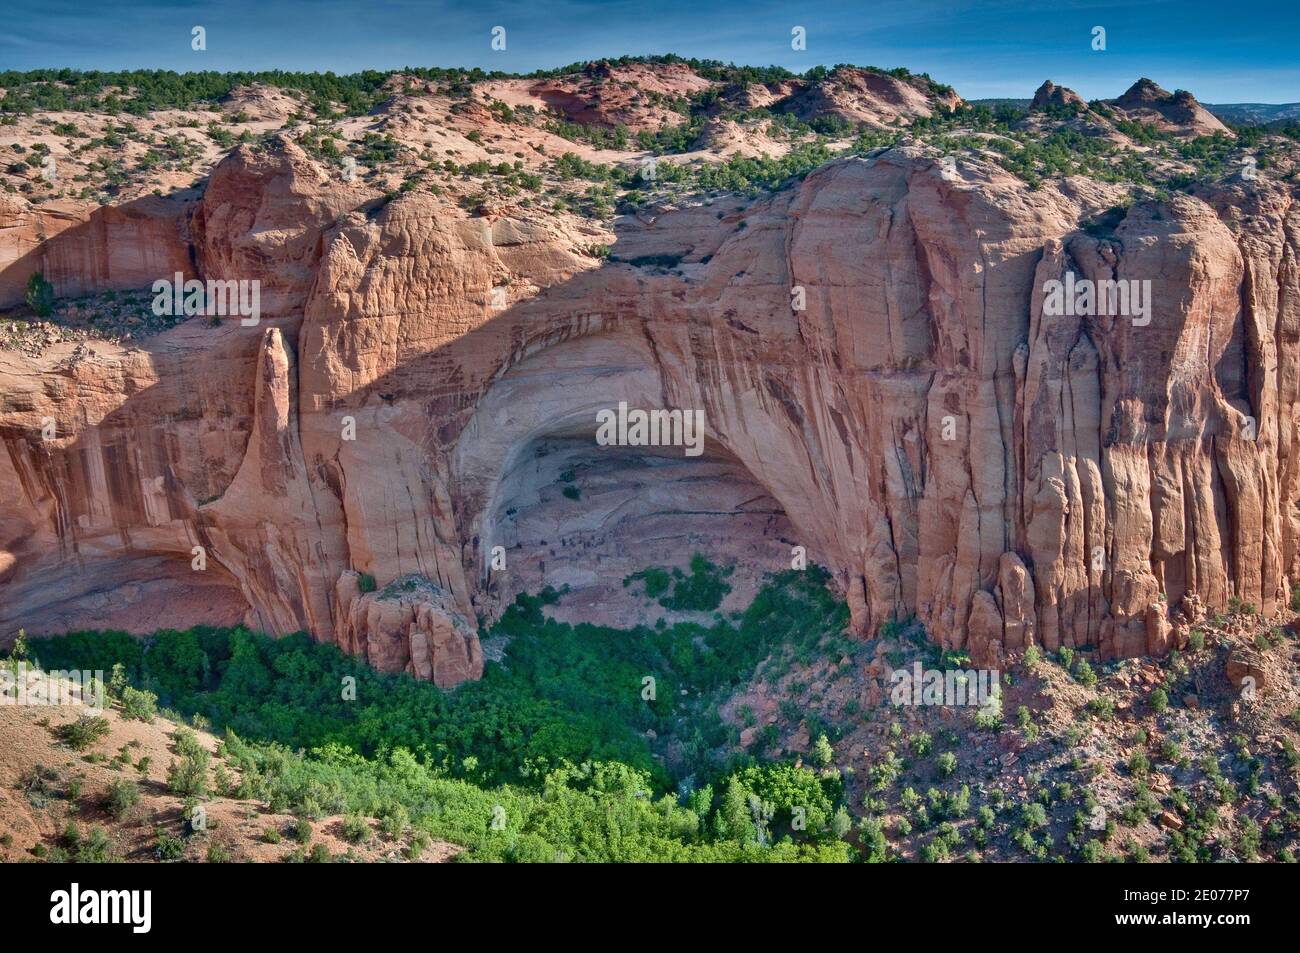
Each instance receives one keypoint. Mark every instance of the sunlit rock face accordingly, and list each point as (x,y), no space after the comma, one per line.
(884,376)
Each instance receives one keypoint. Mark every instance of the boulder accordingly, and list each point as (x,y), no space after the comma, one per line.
(409,625)
(1246,674)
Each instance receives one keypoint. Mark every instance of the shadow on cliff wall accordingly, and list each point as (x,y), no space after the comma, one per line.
(114,247)
(150,490)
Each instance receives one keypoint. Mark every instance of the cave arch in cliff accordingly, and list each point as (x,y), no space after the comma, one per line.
(568,511)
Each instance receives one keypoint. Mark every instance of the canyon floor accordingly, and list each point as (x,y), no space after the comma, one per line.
(1074,759)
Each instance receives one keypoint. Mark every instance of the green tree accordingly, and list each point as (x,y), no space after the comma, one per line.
(138,705)
(733,818)
(122,795)
(823,754)
(40,295)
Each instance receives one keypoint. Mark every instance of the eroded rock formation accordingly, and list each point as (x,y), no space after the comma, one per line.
(924,425)
(1050,95)
(1179,112)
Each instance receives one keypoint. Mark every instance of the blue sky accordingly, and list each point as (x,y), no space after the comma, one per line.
(1245,51)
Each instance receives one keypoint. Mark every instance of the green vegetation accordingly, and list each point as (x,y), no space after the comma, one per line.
(1071,143)
(657,581)
(701,591)
(377,150)
(356,829)
(122,795)
(40,295)
(554,754)
(188,776)
(84,732)
(138,705)
(75,847)
(752,176)
(167,846)
(139,92)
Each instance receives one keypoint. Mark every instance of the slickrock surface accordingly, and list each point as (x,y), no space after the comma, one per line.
(870,97)
(1146,101)
(1049,94)
(922,426)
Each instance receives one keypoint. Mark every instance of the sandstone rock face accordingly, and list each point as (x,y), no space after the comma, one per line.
(409,626)
(610,96)
(638,96)
(262,217)
(1178,112)
(1246,673)
(97,248)
(871,97)
(927,425)
(1049,94)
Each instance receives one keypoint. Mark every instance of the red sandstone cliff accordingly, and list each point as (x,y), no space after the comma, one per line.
(929,433)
